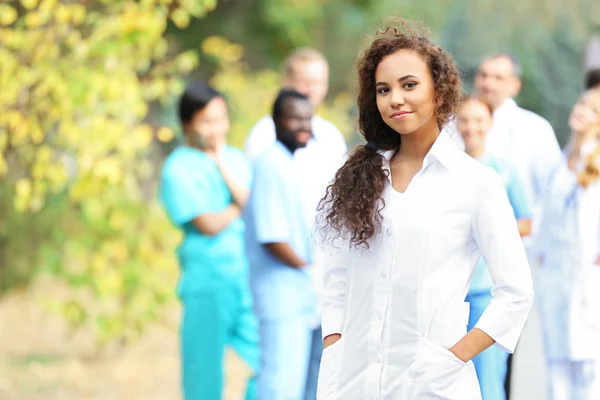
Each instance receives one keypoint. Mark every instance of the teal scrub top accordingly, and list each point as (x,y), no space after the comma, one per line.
(482,281)
(191,185)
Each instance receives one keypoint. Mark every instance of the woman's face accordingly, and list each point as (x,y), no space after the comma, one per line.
(474,120)
(209,126)
(586,113)
(405,92)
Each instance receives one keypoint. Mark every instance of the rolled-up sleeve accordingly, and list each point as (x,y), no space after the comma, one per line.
(497,236)
(334,264)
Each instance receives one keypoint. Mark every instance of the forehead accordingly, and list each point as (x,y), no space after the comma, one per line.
(309,68)
(216,106)
(294,107)
(592,98)
(474,108)
(401,63)
(497,65)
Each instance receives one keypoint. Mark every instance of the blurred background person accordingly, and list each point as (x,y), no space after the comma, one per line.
(474,120)
(280,251)
(519,138)
(306,71)
(568,247)
(204,185)
(592,79)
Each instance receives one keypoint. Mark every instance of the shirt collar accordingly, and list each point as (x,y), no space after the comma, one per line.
(505,108)
(443,151)
(282,149)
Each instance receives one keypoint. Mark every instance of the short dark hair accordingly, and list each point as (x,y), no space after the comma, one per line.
(592,78)
(283,96)
(195,97)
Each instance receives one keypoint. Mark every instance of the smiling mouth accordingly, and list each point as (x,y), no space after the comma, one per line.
(400,115)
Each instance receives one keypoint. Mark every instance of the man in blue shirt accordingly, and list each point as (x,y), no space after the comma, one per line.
(203,186)
(473,122)
(280,251)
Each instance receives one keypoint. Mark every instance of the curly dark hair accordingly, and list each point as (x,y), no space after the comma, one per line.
(352,205)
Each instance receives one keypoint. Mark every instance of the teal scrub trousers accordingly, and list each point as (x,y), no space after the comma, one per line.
(213,318)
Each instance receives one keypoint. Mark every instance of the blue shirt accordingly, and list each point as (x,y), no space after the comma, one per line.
(517,196)
(275,214)
(191,185)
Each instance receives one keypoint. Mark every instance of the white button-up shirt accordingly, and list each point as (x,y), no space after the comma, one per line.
(568,280)
(400,304)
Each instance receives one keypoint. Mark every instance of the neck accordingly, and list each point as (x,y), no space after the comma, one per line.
(416,145)
(288,146)
(475,153)
(194,144)
(578,140)
(498,105)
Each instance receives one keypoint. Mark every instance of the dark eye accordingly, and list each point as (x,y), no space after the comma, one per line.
(410,85)
(383,90)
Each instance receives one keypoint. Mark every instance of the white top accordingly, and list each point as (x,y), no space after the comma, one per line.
(400,304)
(568,280)
(526,142)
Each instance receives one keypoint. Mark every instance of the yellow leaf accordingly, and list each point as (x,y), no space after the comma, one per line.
(3,166)
(78,13)
(165,134)
(180,18)
(33,19)
(29,4)
(23,188)
(8,15)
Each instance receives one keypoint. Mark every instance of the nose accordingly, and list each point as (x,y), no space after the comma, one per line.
(397,99)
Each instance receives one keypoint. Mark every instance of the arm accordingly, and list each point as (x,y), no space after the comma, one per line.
(239,188)
(212,224)
(284,253)
(270,213)
(520,204)
(260,138)
(547,155)
(186,199)
(496,234)
(333,300)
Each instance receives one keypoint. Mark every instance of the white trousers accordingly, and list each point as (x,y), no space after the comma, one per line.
(573,380)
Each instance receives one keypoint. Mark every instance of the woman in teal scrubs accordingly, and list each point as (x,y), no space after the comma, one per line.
(204,186)
(473,122)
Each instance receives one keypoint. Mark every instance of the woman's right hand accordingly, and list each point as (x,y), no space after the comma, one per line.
(331,339)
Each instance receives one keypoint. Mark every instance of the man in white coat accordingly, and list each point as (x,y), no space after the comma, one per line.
(306,71)
(519,138)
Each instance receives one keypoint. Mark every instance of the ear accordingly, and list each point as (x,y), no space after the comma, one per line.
(517,85)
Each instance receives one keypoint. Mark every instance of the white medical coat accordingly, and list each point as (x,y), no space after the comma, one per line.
(400,304)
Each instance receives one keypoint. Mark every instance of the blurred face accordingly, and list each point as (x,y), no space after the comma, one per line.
(209,126)
(586,113)
(294,128)
(496,81)
(311,78)
(405,92)
(474,120)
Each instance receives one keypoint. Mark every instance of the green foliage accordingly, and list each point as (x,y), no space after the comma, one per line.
(77,194)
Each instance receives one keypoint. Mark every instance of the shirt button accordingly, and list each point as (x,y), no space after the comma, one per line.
(388,232)
(383,274)
(378,315)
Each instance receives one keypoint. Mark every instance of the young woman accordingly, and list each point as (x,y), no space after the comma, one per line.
(204,187)
(474,120)
(405,222)
(569,250)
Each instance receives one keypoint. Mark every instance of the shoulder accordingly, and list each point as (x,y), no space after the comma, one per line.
(534,119)
(182,161)
(474,171)
(235,154)
(265,124)
(272,159)
(325,127)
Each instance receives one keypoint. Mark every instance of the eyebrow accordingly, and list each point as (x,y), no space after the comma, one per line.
(399,80)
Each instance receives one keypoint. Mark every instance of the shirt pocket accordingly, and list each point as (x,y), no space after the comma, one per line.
(439,374)
(329,371)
